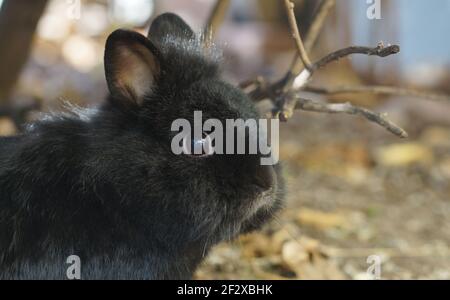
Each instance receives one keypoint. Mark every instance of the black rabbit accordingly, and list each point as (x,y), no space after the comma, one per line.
(104,184)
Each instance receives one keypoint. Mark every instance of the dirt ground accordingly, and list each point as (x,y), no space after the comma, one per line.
(356,196)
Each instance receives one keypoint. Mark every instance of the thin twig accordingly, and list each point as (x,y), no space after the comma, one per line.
(380,90)
(264,91)
(311,37)
(296,34)
(347,108)
(380,51)
(317,24)
(303,78)
(215,20)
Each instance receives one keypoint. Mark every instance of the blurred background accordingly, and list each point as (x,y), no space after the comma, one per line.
(356,194)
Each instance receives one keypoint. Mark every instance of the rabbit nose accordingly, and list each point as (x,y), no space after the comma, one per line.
(264,178)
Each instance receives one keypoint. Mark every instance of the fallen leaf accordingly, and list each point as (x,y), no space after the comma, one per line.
(350,161)
(308,260)
(322,220)
(279,238)
(399,155)
(294,254)
(255,245)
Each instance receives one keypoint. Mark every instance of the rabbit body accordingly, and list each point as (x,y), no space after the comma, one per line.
(104,184)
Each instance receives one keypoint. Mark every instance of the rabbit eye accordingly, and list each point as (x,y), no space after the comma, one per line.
(202,146)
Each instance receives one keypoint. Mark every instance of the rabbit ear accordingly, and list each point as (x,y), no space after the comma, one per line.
(169,25)
(131,66)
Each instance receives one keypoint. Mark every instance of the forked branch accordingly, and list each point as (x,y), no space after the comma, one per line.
(284,94)
(296,34)
(347,108)
(377,90)
(312,35)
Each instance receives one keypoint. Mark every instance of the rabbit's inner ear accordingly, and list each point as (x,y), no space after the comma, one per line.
(168,26)
(131,66)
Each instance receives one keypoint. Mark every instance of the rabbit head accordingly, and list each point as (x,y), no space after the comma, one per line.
(167,76)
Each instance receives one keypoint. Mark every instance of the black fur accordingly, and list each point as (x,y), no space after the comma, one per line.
(105,185)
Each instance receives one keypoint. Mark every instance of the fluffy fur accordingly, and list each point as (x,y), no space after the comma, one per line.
(105,185)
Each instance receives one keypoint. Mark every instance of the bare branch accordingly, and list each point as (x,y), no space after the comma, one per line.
(380,51)
(347,108)
(264,91)
(311,37)
(303,78)
(296,34)
(284,93)
(215,20)
(319,21)
(380,90)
